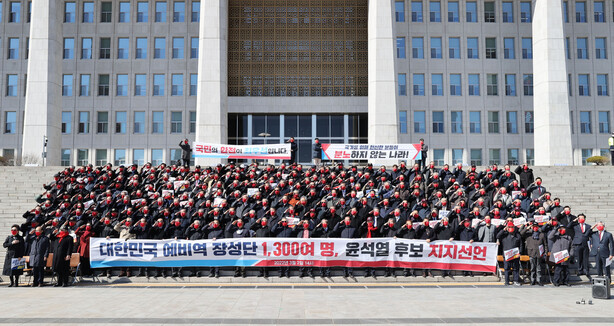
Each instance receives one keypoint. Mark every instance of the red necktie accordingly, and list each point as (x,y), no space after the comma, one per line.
(582,227)
(306,234)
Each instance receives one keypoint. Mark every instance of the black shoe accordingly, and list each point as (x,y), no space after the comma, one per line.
(266,275)
(302,275)
(217,275)
(237,273)
(65,285)
(540,284)
(413,273)
(346,274)
(387,274)
(310,274)
(198,274)
(288,275)
(212,275)
(556,284)
(261,274)
(11,285)
(34,285)
(243,275)
(40,285)
(506,283)
(57,285)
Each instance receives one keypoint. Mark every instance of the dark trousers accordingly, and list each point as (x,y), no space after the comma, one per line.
(14,279)
(535,275)
(601,267)
(348,271)
(38,275)
(561,274)
(581,257)
(185,162)
(421,163)
(85,265)
(62,271)
(512,264)
(612,154)
(284,271)
(324,271)
(214,271)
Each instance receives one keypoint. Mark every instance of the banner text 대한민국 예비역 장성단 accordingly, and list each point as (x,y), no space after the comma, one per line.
(275,252)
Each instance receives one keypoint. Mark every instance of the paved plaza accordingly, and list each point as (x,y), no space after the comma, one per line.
(360,303)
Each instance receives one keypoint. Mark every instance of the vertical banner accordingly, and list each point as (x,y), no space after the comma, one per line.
(274,252)
(371,152)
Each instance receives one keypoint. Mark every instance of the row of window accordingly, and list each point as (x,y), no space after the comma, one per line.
(509,48)
(124,15)
(121,123)
(507,11)
(101,156)
(123,48)
(471,11)
(476,156)
(492,85)
(511,122)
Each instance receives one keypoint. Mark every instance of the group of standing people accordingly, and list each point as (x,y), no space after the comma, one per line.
(414,202)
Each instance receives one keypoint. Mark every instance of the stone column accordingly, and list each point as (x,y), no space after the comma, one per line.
(383,115)
(212,94)
(552,138)
(44,86)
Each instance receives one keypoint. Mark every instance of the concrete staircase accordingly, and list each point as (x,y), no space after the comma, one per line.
(19,187)
(586,189)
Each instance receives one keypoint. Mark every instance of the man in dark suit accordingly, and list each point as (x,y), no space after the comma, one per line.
(602,247)
(186,151)
(579,243)
(293,150)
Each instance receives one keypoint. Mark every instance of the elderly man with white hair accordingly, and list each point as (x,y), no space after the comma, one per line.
(602,247)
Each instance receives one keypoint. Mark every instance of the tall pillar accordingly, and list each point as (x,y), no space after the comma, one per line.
(383,116)
(44,86)
(212,94)
(552,137)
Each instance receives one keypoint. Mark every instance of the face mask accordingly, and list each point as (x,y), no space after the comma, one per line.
(581,220)
(466,224)
(390,224)
(177,223)
(555,223)
(71,223)
(160,224)
(535,229)
(347,223)
(487,221)
(263,223)
(397,213)
(426,223)
(127,223)
(510,230)
(38,233)
(14,232)
(284,224)
(562,231)
(538,183)
(600,227)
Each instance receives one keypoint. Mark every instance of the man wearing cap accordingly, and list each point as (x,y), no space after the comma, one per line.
(536,245)
(611,143)
(602,248)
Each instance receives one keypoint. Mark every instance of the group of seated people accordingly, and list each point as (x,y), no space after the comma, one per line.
(176,202)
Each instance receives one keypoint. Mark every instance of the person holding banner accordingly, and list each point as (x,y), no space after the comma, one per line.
(561,245)
(512,244)
(15,248)
(317,153)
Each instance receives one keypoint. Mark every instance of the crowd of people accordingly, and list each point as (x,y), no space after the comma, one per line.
(290,200)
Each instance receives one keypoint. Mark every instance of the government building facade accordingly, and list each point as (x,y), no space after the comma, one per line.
(481,81)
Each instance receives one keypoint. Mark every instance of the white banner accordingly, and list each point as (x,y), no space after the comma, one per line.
(270,252)
(368,151)
(268,151)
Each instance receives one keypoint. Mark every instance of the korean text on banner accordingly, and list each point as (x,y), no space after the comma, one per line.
(268,151)
(272,252)
(370,151)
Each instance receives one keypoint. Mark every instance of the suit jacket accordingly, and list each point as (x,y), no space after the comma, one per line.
(39,250)
(579,238)
(602,248)
(63,249)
